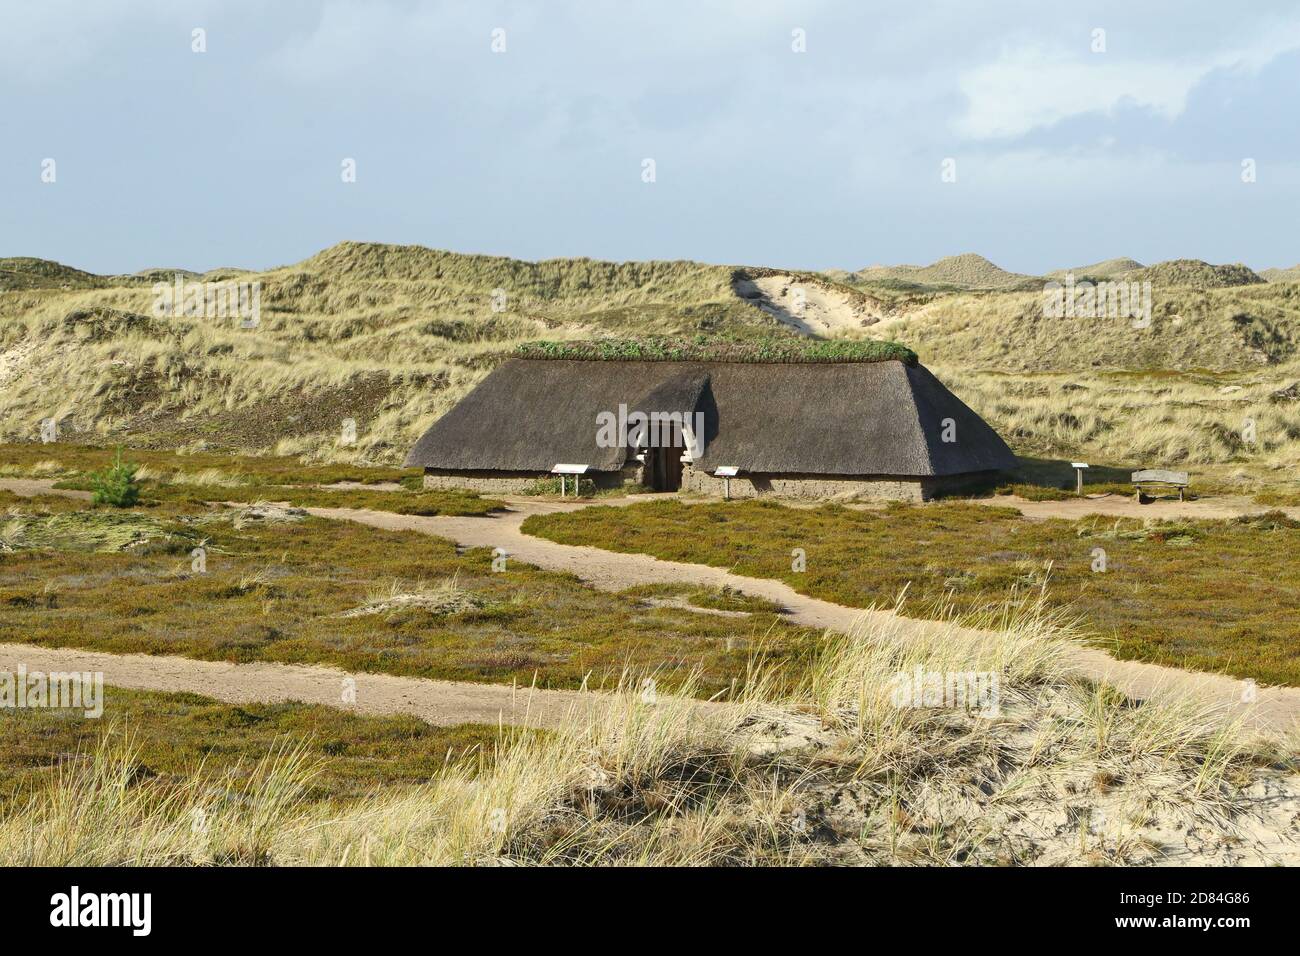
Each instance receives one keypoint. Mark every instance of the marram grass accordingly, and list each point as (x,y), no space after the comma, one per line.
(831,771)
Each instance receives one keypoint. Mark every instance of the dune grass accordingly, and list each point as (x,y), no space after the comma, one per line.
(387,336)
(1185,421)
(1208,595)
(391,336)
(833,770)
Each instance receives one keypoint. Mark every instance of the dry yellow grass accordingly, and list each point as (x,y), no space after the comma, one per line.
(837,771)
(1233,428)
(387,336)
(391,337)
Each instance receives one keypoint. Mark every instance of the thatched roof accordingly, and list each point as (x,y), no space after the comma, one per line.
(875,418)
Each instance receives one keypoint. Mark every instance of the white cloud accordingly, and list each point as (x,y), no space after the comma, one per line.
(1032,87)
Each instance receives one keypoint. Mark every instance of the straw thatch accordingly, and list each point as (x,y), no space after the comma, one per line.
(877,418)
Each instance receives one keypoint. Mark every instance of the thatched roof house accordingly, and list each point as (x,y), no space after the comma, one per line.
(864,421)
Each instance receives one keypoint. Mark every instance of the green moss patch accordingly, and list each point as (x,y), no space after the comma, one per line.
(775,351)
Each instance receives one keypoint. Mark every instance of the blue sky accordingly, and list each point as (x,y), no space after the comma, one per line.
(830,157)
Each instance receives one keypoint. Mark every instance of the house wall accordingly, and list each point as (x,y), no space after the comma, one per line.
(890,487)
(509,482)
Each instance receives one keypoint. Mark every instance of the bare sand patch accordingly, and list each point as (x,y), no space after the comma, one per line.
(812,308)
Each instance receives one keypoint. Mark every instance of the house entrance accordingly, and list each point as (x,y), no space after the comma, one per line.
(664,463)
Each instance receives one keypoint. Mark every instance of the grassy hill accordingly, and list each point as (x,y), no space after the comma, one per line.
(1281,275)
(1194,272)
(24,272)
(388,336)
(968,271)
(391,336)
(1109,269)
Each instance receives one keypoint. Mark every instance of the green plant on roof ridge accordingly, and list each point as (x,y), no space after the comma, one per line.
(775,351)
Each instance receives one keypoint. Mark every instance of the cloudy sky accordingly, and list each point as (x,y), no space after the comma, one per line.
(1069,145)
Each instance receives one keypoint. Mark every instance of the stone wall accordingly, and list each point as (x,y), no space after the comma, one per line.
(510,482)
(813,486)
(698,482)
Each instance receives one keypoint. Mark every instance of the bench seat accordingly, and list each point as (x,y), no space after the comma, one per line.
(1162,479)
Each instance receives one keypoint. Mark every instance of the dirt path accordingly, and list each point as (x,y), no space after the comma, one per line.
(614,571)
(450,702)
(439,702)
(30,487)
(1123,506)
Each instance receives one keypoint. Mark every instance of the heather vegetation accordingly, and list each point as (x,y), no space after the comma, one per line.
(1206,595)
(173,738)
(202,477)
(279,585)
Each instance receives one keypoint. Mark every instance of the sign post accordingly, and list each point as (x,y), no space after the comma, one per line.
(1078,467)
(726,473)
(574,470)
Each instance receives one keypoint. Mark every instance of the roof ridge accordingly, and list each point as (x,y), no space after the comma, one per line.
(916,420)
(761,351)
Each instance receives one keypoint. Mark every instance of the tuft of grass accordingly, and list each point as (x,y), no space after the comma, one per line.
(24,529)
(717,599)
(446,598)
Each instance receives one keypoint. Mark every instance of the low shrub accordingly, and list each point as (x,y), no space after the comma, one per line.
(116,485)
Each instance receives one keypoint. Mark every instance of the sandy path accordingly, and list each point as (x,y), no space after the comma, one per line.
(439,702)
(810,307)
(451,702)
(29,487)
(614,571)
(607,570)
(1123,506)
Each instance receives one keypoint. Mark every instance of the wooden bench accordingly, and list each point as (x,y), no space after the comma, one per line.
(1161,480)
